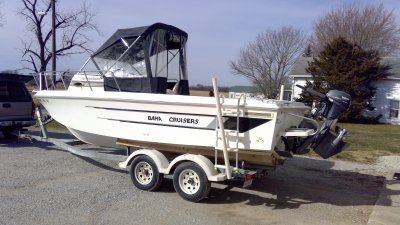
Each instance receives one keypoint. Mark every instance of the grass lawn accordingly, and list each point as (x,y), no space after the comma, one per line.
(368,142)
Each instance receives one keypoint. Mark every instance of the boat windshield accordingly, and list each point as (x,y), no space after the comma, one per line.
(132,63)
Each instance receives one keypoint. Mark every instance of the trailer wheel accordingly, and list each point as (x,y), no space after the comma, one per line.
(8,134)
(144,173)
(190,182)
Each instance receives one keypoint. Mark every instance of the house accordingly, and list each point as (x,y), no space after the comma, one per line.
(249,91)
(387,96)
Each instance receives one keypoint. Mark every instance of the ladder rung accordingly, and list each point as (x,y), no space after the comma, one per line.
(232,149)
(228,149)
(219,166)
(231,113)
(228,131)
(231,133)
(234,132)
(223,166)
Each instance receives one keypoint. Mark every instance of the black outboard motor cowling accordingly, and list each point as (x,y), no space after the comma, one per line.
(340,103)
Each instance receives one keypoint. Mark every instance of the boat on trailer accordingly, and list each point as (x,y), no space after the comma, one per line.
(134,91)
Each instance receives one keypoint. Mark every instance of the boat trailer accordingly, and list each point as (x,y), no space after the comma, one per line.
(192,173)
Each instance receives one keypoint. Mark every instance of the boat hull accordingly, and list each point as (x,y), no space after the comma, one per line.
(101,118)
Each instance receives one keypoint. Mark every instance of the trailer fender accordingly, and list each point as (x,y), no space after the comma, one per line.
(159,159)
(202,161)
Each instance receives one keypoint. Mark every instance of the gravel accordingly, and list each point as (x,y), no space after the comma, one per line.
(386,164)
(41,184)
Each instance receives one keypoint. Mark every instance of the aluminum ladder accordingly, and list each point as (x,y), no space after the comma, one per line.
(222,135)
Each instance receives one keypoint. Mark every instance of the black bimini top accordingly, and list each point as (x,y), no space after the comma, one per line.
(139,31)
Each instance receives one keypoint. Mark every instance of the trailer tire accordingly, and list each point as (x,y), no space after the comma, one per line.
(144,173)
(191,182)
(8,134)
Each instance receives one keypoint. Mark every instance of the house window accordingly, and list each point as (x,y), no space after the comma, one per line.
(394,108)
(287,95)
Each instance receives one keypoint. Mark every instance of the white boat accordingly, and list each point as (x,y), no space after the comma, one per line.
(134,91)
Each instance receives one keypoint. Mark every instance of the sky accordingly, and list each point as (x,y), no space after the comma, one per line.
(217,29)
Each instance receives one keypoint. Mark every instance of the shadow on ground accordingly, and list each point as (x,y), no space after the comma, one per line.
(302,181)
(25,141)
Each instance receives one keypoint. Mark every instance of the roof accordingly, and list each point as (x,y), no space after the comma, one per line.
(243,89)
(138,31)
(394,63)
(299,68)
(301,76)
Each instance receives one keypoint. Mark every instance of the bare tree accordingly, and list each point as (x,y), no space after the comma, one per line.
(1,16)
(267,59)
(71,28)
(372,27)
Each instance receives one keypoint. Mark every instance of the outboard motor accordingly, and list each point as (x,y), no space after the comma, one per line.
(332,104)
(328,140)
(340,103)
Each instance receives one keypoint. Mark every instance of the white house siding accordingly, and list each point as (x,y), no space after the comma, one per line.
(302,81)
(386,90)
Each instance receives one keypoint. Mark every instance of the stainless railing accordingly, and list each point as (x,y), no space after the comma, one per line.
(48,80)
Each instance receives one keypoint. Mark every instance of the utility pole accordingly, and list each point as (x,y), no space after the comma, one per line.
(53,47)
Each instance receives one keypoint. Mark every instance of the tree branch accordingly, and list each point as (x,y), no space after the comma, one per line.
(70,26)
(268,59)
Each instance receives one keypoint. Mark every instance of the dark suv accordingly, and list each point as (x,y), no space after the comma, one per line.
(16,104)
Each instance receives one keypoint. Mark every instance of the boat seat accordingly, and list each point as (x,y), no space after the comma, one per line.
(175,89)
(183,87)
(180,87)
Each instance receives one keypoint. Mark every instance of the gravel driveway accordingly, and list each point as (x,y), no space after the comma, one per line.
(41,184)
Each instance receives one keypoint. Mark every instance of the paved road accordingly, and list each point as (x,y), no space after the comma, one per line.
(40,184)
